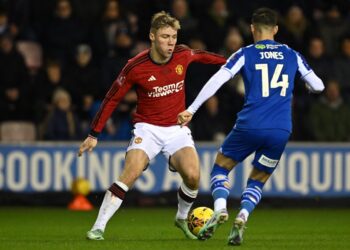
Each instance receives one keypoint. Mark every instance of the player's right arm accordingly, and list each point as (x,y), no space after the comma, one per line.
(117,91)
(209,89)
(313,83)
(228,71)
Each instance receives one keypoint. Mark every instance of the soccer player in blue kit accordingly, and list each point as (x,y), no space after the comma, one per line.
(263,125)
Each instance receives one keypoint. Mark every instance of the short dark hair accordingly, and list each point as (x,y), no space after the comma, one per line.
(265,16)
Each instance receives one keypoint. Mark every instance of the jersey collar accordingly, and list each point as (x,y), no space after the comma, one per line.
(266,42)
(149,55)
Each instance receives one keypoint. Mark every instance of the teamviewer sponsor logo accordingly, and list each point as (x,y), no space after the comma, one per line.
(166,90)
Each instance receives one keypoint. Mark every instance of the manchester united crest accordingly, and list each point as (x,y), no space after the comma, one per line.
(179,69)
(138,140)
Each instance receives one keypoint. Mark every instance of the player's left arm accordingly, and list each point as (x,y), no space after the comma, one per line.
(313,82)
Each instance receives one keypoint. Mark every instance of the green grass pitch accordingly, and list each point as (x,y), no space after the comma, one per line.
(153,229)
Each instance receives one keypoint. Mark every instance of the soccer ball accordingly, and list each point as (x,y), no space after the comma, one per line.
(198,217)
(81,186)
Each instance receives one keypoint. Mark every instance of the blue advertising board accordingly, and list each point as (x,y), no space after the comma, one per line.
(305,170)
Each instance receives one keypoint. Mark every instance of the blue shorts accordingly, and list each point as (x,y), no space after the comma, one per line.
(268,145)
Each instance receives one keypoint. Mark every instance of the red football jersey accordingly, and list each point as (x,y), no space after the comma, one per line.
(160,87)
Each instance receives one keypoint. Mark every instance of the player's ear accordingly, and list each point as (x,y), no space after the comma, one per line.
(252,29)
(151,37)
(275,30)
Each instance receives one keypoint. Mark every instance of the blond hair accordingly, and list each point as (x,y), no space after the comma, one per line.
(163,19)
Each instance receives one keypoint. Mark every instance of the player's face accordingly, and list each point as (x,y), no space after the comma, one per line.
(164,41)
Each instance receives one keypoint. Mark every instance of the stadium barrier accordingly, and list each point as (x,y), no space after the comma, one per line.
(305,170)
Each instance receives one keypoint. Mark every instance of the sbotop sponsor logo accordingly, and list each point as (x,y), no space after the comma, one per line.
(166,90)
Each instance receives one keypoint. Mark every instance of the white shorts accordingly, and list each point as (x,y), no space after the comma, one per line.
(155,139)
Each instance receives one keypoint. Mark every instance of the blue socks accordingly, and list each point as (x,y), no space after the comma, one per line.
(251,195)
(219,183)
(220,188)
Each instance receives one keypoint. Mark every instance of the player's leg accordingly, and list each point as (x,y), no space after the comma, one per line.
(251,195)
(179,146)
(233,150)
(265,162)
(136,161)
(142,148)
(186,162)
(250,198)
(220,188)
(219,182)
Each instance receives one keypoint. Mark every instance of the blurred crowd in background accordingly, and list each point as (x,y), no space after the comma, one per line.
(58,58)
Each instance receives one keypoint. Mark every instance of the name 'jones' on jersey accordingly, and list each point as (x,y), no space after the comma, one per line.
(268,70)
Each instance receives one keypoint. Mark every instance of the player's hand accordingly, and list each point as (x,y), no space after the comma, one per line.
(89,144)
(184,118)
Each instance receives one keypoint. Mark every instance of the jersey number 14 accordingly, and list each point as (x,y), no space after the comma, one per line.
(266,84)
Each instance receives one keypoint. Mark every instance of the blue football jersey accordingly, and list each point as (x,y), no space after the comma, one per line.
(268,69)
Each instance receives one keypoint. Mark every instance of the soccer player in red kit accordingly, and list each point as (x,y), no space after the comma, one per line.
(159,76)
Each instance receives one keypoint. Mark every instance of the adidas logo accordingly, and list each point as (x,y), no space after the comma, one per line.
(152,78)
